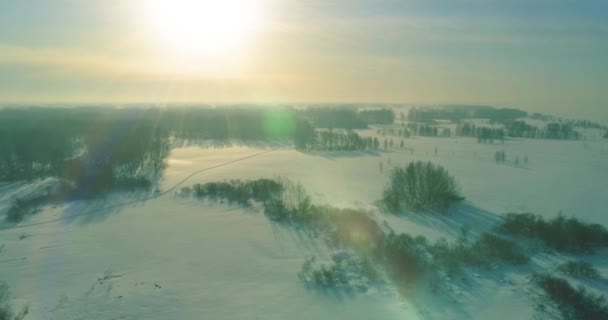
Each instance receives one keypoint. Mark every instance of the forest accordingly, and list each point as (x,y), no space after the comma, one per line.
(101,148)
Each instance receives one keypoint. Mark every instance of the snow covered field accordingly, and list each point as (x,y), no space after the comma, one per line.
(176,258)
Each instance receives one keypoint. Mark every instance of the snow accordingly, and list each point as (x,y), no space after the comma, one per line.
(175,258)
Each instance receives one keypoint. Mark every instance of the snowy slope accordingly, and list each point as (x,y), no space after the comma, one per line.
(175,258)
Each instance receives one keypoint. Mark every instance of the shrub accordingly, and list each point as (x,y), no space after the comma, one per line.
(407,258)
(6,312)
(492,246)
(451,257)
(579,269)
(354,229)
(572,303)
(241,192)
(348,274)
(19,209)
(487,249)
(560,233)
(31,203)
(277,210)
(421,186)
(132,183)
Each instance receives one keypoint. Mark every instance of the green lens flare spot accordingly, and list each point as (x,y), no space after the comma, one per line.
(279,124)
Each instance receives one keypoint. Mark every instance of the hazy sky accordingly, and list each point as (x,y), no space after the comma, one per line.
(546,55)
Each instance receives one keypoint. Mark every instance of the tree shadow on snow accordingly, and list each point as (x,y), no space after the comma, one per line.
(220,144)
(98,209)
(460,215)
(332,155)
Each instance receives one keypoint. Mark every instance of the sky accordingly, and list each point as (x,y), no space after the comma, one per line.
(547,56)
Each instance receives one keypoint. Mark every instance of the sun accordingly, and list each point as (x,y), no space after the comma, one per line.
(207,27)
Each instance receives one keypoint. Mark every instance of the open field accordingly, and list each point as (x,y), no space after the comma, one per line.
(176,257)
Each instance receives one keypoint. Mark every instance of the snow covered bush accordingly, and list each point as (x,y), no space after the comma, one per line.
(23,207)
(486,250)
(579,269)
(6,312)
(493,247)
(421,186)
(241,192)
(345,273)
(560,233)
(571,303)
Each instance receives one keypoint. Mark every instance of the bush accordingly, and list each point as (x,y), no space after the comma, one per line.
(560,233)
(277,210)
(353,229)
(20,208)
(6,312)
(579,269)
(572,303)
(132,183)
(492,246)
(451,257)
(30,204)
(347,274)
(487,249)
(241,192)
(421,186)
(407,258)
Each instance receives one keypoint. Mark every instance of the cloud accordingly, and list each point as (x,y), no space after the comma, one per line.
(83,64)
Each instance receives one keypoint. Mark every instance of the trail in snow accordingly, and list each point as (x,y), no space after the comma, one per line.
(155,196)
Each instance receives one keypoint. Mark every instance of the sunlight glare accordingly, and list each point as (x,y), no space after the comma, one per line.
(208,27)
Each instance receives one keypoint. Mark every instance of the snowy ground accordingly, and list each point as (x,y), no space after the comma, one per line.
(175,258)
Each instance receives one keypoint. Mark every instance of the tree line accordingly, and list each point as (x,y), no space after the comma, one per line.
(457,113)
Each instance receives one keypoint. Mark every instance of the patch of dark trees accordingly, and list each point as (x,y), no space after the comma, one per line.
(428,130)
(97,149)
(579,270)
(24,206)
(483,134)
(570,302)
(6,311)
(560,131)
(402,132)
(346,118)
(237,191)
(420,186)
(560,233)
(103,148)
(378,116)
(331,140)
(518,129)
(457,113)
(587,124)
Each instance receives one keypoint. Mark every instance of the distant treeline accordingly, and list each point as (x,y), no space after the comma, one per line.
(99,148)
(483,134)
(429,131)
(346,118)
(307,138)
(456,113)
(554,130)
(557,129)
(518,129)
(379,116)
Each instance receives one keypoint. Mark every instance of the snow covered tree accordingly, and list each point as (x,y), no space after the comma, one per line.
(421,186)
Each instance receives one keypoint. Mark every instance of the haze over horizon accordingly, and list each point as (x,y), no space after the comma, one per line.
(544,56)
